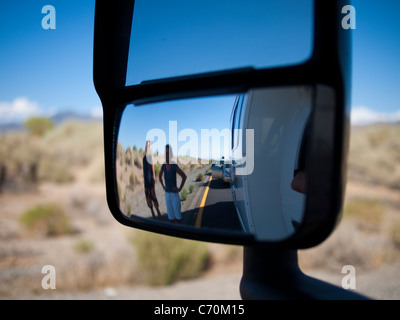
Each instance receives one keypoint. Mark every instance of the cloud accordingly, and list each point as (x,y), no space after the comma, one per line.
(364,116)
(18,110)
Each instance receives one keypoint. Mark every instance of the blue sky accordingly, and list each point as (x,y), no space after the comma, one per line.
(376,61)
(180,123)
(48,71)
(211,35)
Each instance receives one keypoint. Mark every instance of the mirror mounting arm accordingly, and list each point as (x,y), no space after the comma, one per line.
(274,274)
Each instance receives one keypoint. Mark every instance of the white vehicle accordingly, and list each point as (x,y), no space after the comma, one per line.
(266,204)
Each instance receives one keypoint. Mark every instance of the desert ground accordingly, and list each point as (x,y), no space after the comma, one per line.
(97,258)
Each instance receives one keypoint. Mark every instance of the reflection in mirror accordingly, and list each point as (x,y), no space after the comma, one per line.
(180,37)
(234,163)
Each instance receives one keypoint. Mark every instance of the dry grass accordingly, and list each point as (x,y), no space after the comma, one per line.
(366,213)
(375,155)
(47,220)
(164,260)
(369,234)
(367,237)
(100,252)
(78,143)
(26,160)
(395,234)
(345,247)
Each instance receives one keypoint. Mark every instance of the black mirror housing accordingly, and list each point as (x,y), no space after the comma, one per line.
(327,72)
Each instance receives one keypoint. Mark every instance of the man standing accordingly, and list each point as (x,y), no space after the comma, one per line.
(149,181)
(172,198)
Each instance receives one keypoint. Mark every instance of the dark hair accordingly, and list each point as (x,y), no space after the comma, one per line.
(171,154)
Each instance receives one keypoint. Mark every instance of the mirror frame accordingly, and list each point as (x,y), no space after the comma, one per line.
(327,71)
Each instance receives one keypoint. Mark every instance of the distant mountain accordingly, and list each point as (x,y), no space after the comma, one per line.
(11,127)
(57,119)
(64,116)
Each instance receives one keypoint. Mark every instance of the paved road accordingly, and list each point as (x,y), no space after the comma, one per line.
(214,196)
(211,207)
(219,211)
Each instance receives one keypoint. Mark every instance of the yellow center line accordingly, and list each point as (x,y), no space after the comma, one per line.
(201,208)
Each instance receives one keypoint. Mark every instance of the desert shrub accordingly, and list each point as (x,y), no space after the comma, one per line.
(373,155)
(184,194)
(137,162)
(75,143)
(54,171)
(20,157)
(96,171)
(120,154)
(132,180)
(191,187)
(199,177)
(128,156)
(163,260)
(27,160)
(395,234)
(84,246)
(38,126)
(367,213)
(156,170)
(47,219)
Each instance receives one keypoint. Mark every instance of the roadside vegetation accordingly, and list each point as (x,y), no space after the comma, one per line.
(60,158)
(47,220)
(129,167)
(164,260)
(48,153)
(375,155)
(69,222)
(368,235)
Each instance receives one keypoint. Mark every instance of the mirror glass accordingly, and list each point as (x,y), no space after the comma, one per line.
(235,163)
(180,37)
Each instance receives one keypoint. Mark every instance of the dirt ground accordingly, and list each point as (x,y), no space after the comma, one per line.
(105,272)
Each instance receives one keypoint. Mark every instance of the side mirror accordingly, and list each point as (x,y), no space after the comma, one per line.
(225,123)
